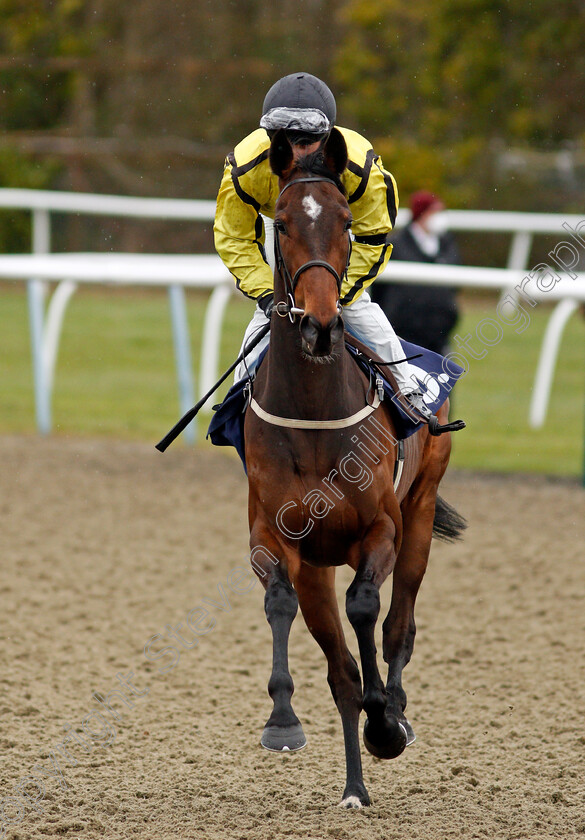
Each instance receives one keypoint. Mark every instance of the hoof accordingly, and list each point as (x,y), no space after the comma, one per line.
(386,740)
(351,802)
(410,736)
(283,738)
(355,800)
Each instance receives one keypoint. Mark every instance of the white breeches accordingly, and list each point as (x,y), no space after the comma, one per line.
(365,320)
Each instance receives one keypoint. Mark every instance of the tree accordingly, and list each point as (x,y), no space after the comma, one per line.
(146,96)
(444,86)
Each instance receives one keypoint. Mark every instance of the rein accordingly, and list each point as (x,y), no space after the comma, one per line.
(290,282)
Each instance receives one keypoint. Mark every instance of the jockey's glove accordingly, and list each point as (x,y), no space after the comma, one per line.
(266,304)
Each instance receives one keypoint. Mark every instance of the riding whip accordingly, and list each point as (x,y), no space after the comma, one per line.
(190,415)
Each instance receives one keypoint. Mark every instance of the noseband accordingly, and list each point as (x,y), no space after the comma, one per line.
(290,282)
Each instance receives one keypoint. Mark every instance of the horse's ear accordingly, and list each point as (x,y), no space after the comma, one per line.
(335,152)
(281,153)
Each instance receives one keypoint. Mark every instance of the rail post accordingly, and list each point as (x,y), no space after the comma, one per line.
(41,244)
(182,345)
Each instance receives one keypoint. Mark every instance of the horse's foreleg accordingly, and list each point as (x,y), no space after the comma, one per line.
(384,736)
(399,628)
(316,589)
(418,512)
(283,730)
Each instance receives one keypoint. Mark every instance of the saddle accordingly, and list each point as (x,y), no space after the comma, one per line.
(365,356)
(227,424)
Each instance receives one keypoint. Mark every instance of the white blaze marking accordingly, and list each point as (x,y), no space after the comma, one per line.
(312,207)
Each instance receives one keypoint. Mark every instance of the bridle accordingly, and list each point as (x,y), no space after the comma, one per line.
(290,282)
(283,309)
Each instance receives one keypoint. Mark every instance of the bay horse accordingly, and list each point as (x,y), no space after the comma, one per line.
(310,508)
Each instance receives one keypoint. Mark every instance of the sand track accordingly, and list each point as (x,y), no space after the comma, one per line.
(105,543)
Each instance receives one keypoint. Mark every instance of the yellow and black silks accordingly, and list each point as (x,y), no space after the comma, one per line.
(249,189)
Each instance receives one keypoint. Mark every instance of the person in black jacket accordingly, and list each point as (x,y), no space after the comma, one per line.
(425,315)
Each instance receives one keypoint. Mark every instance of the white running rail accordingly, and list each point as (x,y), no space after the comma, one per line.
(207,272)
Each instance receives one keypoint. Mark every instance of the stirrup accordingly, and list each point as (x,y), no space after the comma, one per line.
(436,429)
(424,414)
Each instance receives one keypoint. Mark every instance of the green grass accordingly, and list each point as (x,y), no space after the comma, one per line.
(116,377)
(494,399)
(115,371)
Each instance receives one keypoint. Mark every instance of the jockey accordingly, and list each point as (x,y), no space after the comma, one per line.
(305,107)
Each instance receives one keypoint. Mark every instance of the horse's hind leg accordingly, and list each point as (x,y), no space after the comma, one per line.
(316,590)
(283,730)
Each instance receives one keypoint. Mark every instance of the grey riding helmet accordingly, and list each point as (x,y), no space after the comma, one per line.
(301,104)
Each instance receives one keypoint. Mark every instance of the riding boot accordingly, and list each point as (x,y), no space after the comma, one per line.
(413,403)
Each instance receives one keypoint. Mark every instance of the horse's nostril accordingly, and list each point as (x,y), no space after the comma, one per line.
(337,328)
(310,329)
(318,339)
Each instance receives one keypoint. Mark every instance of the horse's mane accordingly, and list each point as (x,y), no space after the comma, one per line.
(314,164)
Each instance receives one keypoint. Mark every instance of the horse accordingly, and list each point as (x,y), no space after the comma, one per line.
(310,508)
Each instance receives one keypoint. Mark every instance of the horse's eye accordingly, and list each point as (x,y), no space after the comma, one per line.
(279,226)
(348,224)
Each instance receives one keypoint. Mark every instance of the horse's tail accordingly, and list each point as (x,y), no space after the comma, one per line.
(448,525)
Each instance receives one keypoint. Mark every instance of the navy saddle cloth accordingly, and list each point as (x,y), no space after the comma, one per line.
(437,379)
